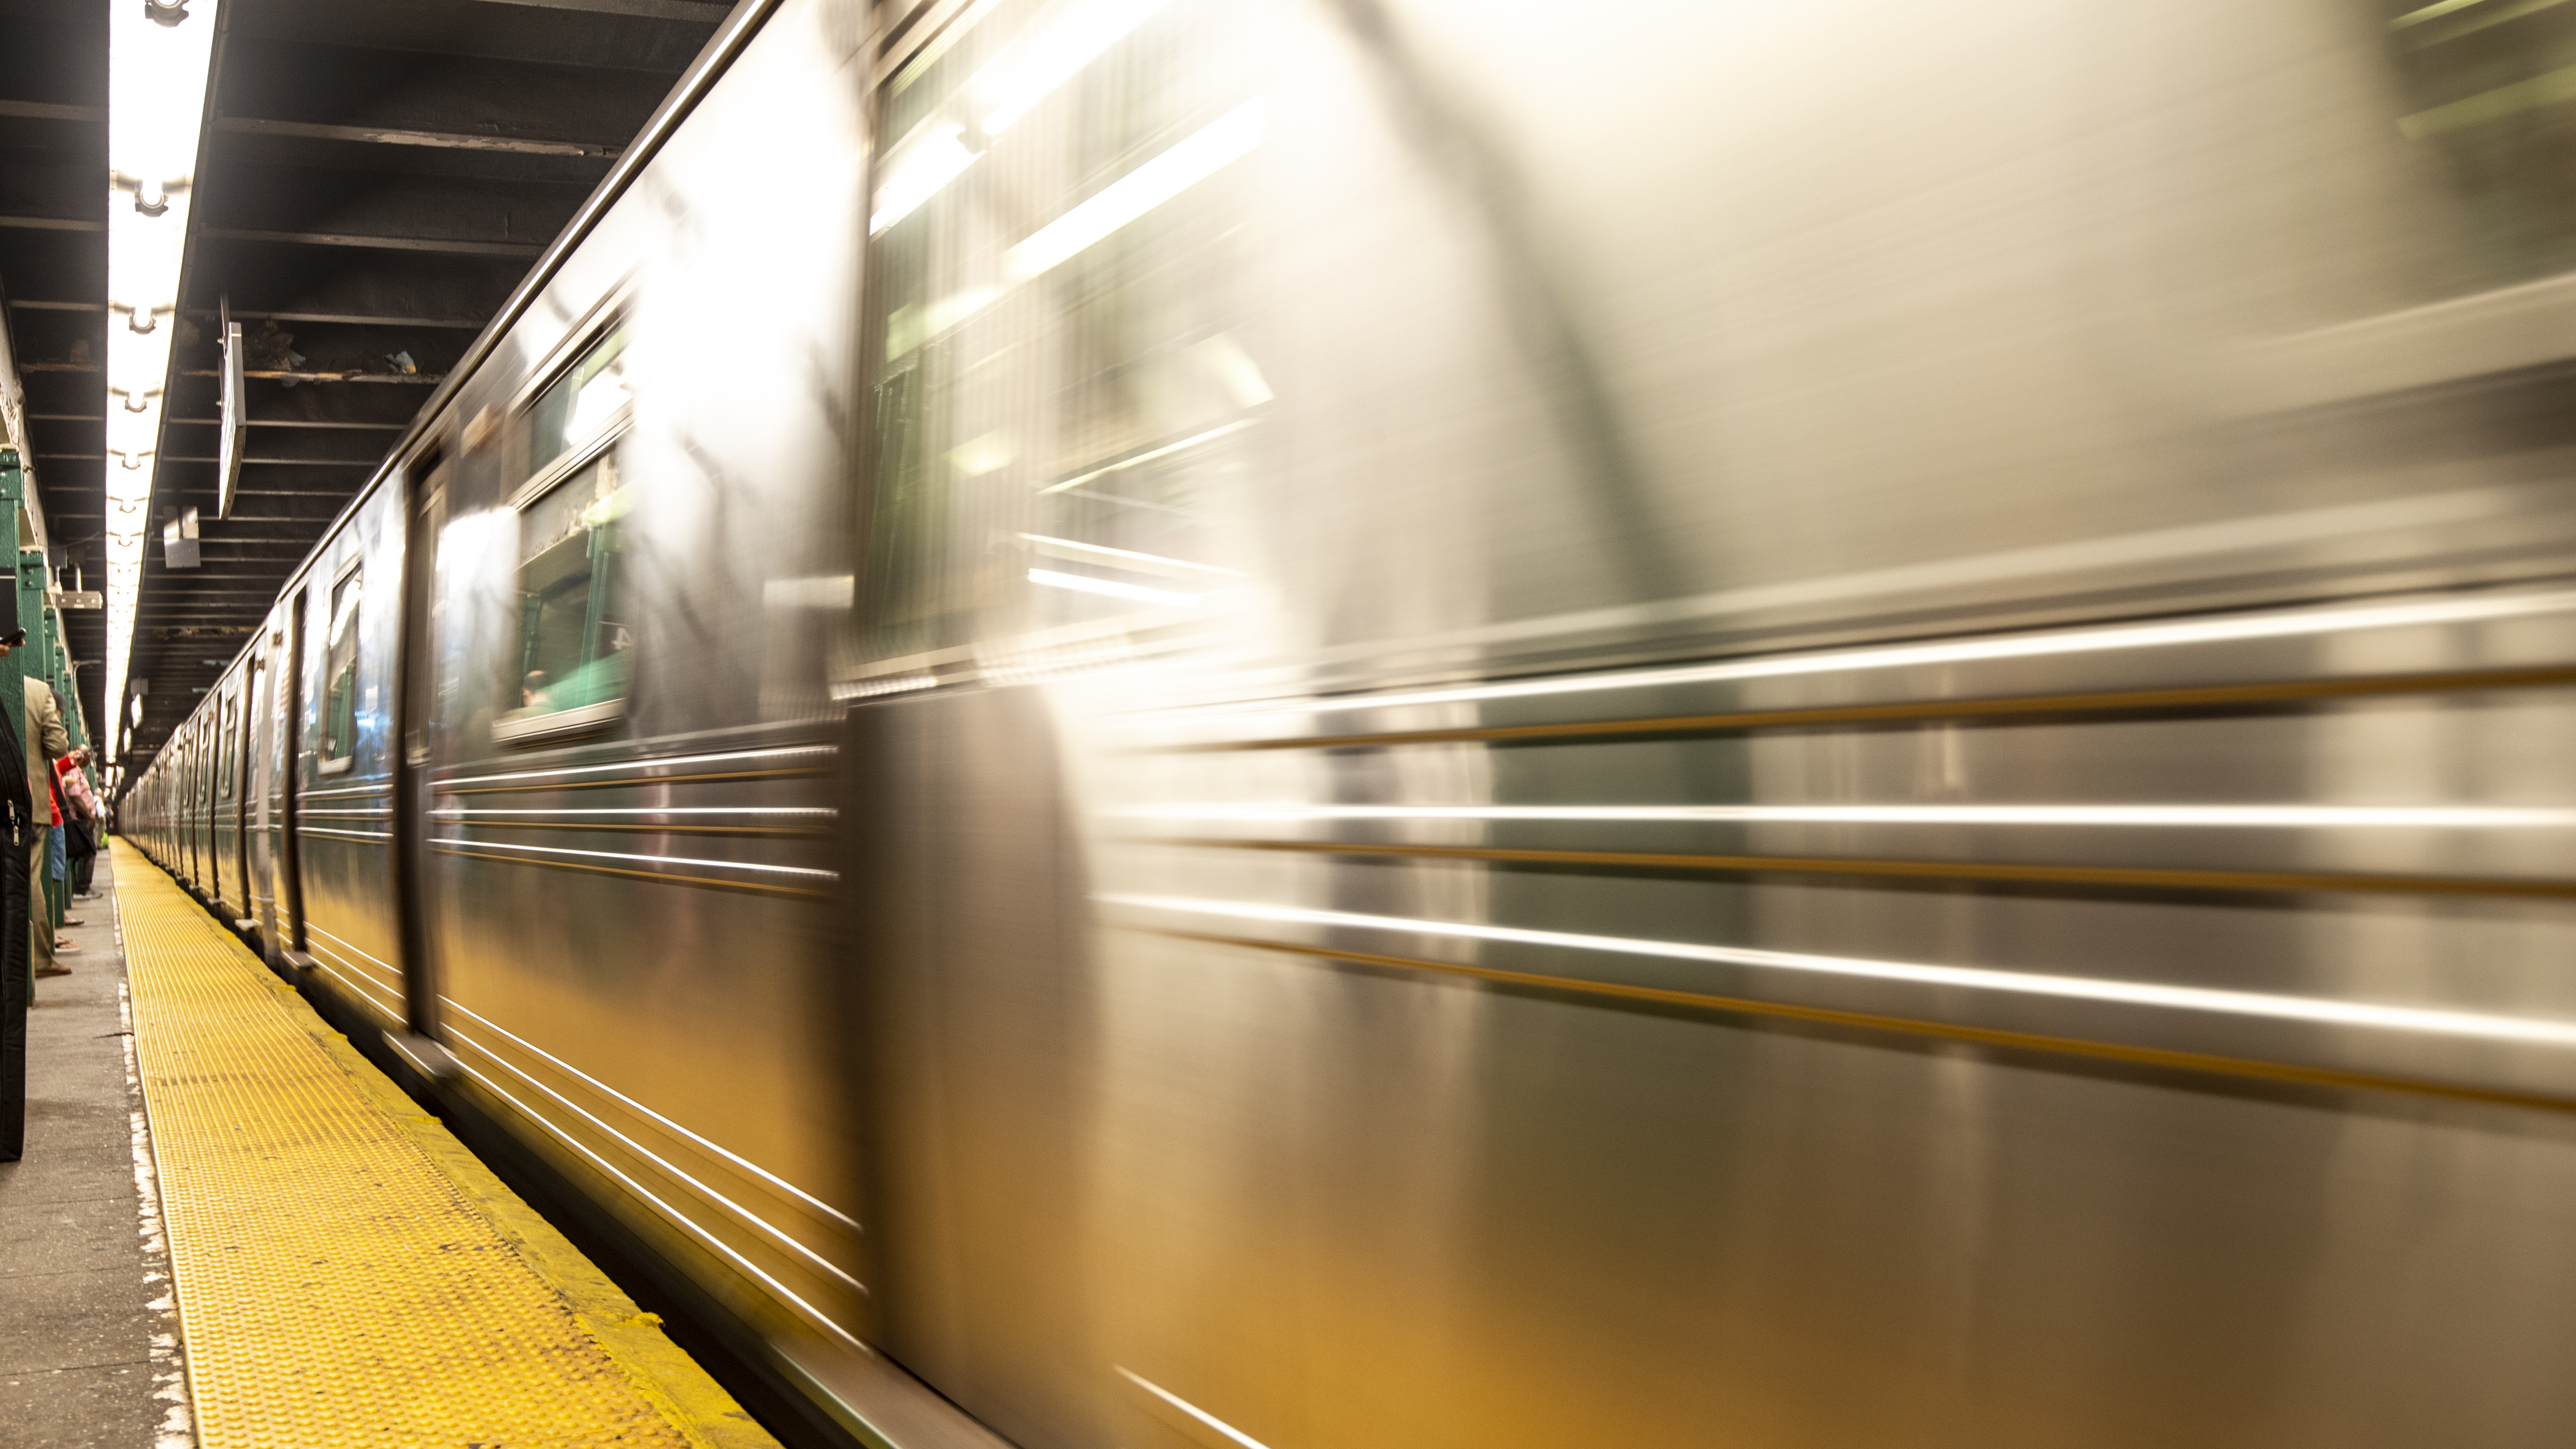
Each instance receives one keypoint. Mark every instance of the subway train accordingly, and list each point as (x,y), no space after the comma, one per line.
(1388,723)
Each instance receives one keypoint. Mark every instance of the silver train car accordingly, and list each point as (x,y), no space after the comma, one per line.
(1296,723)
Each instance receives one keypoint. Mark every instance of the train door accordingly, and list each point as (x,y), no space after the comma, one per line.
(220,836)
(201,816)
(425,517)
(259,845)
(217,787)
(243,763)
(186,814)
(290,756)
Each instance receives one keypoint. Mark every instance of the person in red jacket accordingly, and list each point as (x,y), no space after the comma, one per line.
(88,823)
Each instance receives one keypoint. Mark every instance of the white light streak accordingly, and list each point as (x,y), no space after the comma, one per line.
(1152,562)
(1058,44)
(1221,143)
(2226,817)
(709,1144)
(798,870)
(157,77)
(884,684)
(2287,624)
(812,1313)
(2312,1010)
(1193,1410)
(730,757)
(915,174)
(819,812)
(1086,584)
(1166,450)
(709,1194)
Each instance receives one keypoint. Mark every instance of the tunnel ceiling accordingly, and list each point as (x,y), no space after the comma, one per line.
(376,179)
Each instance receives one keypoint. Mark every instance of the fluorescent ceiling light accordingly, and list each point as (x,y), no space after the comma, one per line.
(1138,192)
(1084,583)
(1059,43)
(158,63)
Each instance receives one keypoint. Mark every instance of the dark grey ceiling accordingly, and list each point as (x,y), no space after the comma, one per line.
(377,178)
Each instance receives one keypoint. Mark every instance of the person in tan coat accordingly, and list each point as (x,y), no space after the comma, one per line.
(47,741)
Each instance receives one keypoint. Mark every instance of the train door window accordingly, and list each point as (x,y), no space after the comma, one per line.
(572,662)
(587,403)
(574,636)
(230,717)
(2476,86)
(340,677)
(1061,428)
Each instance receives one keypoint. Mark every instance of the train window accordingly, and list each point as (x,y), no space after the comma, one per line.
(2482,94)
(224,734)
(1060,421)
(340,677)
(585,404)
(575,641)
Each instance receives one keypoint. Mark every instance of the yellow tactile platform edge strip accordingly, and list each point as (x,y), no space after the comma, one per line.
(348,1273)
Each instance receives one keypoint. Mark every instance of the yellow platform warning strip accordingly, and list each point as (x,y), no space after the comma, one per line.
(348,1274)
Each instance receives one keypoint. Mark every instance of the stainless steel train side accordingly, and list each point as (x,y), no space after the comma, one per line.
(1693,725)
(610,910)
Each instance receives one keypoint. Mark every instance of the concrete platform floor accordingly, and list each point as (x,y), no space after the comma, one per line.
(84,1284)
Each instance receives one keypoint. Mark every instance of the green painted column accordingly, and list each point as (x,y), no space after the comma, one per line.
(17,985)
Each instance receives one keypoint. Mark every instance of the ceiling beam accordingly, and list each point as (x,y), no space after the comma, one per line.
(295,376)
(705,12)
(389,136)
(271,462)
(48,111)
(468,324)
(49,223)
(346,239)
(254,422)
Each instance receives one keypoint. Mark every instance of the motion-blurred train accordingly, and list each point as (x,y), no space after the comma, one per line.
(1368,724)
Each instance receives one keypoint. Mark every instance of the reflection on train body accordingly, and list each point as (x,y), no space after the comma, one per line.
(1395,722)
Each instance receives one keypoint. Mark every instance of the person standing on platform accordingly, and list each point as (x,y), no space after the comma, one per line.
(58,867)
(81,823)
(47,742)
